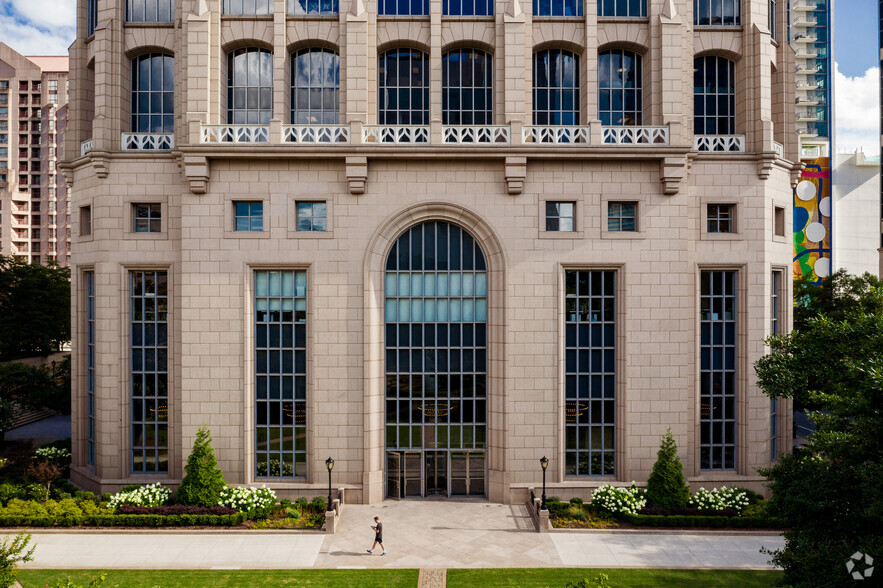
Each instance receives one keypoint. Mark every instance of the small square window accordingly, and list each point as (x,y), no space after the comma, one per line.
(148,218)
(312,216)
(779,221)
(721,218)
(249,216)
(85,220)
(622,216)
(560,217)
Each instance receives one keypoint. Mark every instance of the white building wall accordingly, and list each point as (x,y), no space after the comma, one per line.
(856,213)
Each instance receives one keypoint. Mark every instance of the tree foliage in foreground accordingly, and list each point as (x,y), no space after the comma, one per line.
(831,491)
(35,308)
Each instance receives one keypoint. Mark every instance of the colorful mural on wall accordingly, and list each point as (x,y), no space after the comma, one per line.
(812,221)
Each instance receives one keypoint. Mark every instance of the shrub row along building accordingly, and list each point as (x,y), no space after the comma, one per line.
(435,240)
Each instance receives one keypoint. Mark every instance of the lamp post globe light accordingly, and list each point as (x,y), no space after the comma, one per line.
(544,463)
(329,463)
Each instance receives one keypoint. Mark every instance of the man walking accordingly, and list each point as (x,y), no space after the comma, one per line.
(378,536)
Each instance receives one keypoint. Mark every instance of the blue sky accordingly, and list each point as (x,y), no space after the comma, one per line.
(45,27)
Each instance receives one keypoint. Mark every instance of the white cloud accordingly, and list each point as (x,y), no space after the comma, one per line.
(28,39)
(47,14)
(857,112)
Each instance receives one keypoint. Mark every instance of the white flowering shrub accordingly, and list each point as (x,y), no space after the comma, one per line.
(619,500)
(248,499)
(153,495)
(55,454)
(719,499)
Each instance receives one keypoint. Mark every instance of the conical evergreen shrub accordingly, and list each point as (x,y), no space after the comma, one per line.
(666,487)
(204,480)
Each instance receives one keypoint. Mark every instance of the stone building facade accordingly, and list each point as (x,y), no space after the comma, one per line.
(34,206)
(435,241)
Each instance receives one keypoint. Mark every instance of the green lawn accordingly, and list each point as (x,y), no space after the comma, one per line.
(618,578)
(483,578)
(219,578)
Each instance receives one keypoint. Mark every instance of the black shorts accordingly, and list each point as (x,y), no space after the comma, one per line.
(378,538)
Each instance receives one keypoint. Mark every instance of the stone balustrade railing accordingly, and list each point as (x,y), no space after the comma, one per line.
(86,146)
(395,134)
(719,143)
(316,134)
(476,134)
(147,141)
(636,135)
(558,135)
(235,134)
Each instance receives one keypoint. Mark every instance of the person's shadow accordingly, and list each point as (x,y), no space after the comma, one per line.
(339,553)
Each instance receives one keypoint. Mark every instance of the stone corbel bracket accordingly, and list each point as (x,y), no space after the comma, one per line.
(796,170)
(765,163)
(357,174)
(68,174)
(196,171)
(515,173)
(672,171)
(99,163)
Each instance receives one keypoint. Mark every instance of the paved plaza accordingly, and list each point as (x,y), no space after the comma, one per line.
(417,534)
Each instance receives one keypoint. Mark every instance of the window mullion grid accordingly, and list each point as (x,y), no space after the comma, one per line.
(718,370)
(90,366)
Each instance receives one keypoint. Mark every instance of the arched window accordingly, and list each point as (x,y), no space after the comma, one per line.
(149,10)
(315,87)
(717,12)
(557,7)
(714,96)
(436,362)
(403,7)
(555,87)
(620,96)
(403,79)
(467,88)
(467,7)
(622,8)
(248,7)
(249,86)
(153,93)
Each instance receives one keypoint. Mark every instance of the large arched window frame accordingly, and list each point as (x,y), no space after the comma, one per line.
(153,93)
(249,86)
(149,11)
(714,96)
(620,88)
(556,95)
(725,13)
(315,87)
(467,87)
(403,87)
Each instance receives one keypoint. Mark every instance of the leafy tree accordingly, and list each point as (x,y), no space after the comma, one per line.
(831,491)
(35,308)
(204,480)
(12,553)
(666,486)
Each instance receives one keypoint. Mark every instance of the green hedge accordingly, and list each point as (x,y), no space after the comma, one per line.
(125,521)
(698,521)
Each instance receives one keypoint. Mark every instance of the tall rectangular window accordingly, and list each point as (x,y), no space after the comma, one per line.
(590,372)
(89,278)
(149,376)
(717,370)
(775,329)
(91,17)
(280,350)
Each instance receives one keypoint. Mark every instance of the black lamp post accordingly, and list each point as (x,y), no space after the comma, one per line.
(329,463)
(544,463)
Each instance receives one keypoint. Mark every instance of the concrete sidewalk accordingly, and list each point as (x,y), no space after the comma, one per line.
(417,534)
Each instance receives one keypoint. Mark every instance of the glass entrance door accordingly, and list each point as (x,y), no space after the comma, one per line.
(394,475)
(413,474)
(436,473)
(467,473)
